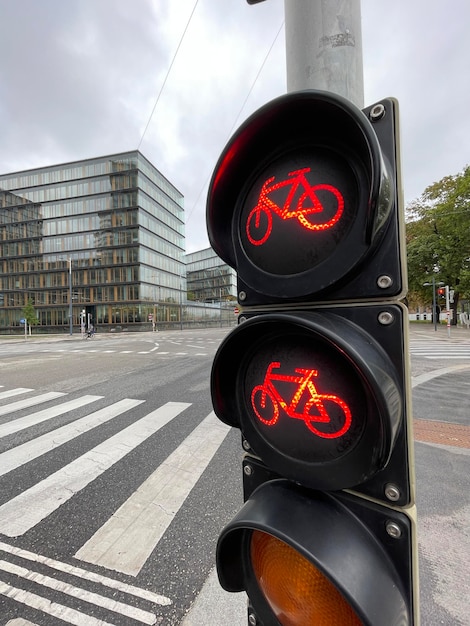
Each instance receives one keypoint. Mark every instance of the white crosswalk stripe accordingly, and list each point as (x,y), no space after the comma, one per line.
(123,542)
(28,402)
(15,457)
(94,598)
(41,416)
(13,392)
(31,506)
(439,350)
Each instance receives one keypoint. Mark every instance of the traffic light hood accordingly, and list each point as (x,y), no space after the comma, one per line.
(316,397)
(325,530)
(305,168)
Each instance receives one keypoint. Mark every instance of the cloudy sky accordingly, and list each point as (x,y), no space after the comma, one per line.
(80,78)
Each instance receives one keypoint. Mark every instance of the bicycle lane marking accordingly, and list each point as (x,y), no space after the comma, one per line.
(435,431)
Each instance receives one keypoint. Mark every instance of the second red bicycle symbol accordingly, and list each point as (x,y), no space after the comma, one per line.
(302,203)
(266,400)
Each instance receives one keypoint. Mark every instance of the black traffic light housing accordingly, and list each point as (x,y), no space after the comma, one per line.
(366,561)
(323,161)
(357,353)
(305,204)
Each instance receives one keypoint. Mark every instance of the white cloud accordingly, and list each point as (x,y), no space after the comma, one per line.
(80,78)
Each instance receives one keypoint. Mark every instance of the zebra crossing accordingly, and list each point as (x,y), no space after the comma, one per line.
(91,586)
(163,347)
(87,349)
(439,350)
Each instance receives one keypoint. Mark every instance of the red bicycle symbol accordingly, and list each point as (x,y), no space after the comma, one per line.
(266,399)
(307,205)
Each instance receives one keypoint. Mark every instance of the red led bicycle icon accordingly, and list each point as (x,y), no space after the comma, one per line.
(307,205)
(266,400)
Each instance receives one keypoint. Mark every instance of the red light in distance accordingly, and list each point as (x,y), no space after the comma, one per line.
(266,400)
(301,203)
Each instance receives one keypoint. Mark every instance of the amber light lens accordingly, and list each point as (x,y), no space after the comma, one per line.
(297,592)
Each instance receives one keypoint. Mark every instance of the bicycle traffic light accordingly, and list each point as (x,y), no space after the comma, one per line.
(305,204)
(307,199)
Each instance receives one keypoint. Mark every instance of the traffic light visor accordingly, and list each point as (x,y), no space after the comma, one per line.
(300,195)
(316,398)
(308,559)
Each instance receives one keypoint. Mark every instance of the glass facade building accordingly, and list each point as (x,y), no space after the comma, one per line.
(209,279)
(101,238)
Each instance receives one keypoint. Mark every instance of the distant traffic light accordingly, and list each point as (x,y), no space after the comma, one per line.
(305,204)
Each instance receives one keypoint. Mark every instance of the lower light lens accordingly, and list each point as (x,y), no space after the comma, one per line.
(297,592)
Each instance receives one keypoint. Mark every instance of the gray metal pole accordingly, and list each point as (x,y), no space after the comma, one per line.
(70,298)
(324,47)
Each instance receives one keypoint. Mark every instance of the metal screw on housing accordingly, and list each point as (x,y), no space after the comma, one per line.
(392,492)
(248,470)
(377,112)
(384,281)
(242,296)
(246,445)
(241,319)
(252,619)
(385,318)
(393,529)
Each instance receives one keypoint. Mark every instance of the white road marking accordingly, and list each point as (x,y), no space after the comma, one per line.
(14,392)
(445,356)
(86,575)
(41,416)
(15,457)
(127,539)
(76,592)
(50,608)
(23,512)
(424,378)
(24,404)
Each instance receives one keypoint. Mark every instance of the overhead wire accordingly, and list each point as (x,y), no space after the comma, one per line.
(167,74)
(240,110)
(239,113)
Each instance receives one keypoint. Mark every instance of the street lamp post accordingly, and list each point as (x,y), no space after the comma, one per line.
(181,303)
(70,298)
(155,303)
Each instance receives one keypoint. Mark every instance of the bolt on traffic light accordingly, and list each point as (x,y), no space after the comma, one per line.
(305,204)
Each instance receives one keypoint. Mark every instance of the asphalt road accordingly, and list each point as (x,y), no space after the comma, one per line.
(158,372)
(167,375)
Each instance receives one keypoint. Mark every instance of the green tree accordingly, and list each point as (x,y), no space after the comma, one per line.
(438,239)
(29,314)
